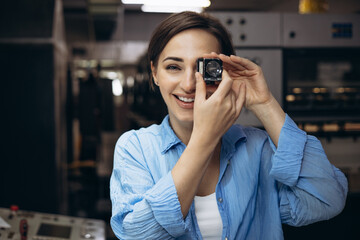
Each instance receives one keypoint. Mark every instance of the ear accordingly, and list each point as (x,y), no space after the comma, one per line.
(153,73)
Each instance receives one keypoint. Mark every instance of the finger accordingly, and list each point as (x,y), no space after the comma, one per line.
(229,64)
(233,99)
(200,90)
(224,86)
(246,63)
(236,86)
(240,100)
(232,67)
(243,73)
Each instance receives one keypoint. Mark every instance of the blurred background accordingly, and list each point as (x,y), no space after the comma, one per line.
(74,77)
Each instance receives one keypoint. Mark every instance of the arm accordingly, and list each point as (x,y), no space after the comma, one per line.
(310,188)
(141,208)
(212,118)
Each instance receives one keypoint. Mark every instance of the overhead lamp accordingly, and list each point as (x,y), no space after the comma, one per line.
(187,3)
(117,87)
(168,9)
(133,1)
(170,5)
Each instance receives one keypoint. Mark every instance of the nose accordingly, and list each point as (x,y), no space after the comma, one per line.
(188,83)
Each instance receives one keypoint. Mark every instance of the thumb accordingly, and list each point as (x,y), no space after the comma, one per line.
(200,91)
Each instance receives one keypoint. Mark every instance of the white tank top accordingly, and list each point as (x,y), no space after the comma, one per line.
(208,217)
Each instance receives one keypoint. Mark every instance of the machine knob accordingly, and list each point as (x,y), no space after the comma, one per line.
(243,37)
(229,21)
(242,21)
(292,34)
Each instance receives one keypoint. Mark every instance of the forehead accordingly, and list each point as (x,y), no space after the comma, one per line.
(191,43)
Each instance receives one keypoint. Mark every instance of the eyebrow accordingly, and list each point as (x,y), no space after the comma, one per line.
(174,59)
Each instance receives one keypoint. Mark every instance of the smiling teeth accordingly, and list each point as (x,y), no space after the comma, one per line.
(186,99)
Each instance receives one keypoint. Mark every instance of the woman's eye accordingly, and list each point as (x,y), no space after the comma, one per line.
(172,68)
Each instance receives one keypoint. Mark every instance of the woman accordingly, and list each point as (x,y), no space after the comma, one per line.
(199,176)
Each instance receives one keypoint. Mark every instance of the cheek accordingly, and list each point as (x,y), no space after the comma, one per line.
(167,81)
(165,88)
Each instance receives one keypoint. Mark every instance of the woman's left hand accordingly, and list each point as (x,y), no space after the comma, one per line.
(243,70)
(258,98)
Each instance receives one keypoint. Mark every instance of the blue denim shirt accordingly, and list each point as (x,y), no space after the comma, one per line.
(259,187)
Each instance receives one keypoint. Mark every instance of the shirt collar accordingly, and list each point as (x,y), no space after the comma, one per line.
(230,138)
(168,136)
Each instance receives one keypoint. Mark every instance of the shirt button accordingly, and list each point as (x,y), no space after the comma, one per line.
(220,200)
(226,238)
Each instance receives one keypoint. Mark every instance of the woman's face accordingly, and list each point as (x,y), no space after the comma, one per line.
(175,72)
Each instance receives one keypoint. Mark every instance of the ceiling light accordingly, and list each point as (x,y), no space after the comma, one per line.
(133,1)
(170,5)
(187,3)
(117,88)
(169,9)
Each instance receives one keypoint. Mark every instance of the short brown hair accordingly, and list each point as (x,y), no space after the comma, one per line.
(179,22)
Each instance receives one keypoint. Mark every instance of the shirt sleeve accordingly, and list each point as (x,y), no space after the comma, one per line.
(311,189)
(141,208)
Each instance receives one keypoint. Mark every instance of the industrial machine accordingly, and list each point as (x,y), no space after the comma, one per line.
(22,225)
(311,62)
(312,66)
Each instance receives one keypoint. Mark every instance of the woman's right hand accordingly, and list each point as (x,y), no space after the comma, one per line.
(215,114)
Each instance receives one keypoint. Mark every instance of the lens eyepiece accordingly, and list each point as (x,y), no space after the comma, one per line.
(210,68)
(213,68)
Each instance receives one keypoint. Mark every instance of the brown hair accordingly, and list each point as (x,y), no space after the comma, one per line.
(179,22)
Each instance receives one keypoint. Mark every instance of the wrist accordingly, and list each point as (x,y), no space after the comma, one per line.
(263,110)
(203,142)
(272,116)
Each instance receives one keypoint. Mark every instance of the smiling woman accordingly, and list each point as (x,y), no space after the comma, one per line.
(196,175)
(175,74)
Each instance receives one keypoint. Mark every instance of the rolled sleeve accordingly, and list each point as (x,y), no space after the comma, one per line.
(286,162)
(166,207)
(142,208)
(310,188)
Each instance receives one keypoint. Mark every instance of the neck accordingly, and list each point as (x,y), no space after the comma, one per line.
(182,130)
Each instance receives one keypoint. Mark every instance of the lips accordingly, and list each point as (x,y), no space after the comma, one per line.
(185,102)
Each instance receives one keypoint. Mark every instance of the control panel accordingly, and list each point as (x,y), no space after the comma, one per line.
(252,29)
(22,225)
(321,30)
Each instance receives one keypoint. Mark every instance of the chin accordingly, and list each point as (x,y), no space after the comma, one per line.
(183,118)
(186,117)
